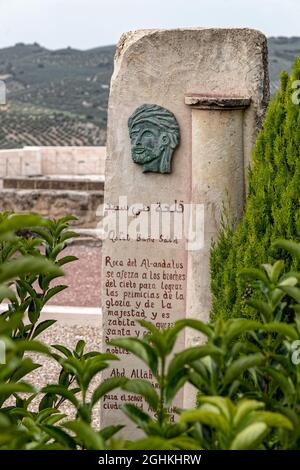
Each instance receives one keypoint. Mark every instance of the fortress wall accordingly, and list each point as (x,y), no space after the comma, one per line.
(53,181)
(43,161)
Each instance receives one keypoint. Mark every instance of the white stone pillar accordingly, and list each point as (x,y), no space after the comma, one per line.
(217,124)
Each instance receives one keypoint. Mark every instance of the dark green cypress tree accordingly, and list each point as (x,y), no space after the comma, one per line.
(272,208)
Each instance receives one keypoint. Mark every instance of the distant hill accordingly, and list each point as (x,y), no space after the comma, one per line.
(282,53)
(55,97)
(60,97)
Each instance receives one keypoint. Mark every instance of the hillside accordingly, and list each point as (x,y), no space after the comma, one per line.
(282,53)
(54,97)
(60,97)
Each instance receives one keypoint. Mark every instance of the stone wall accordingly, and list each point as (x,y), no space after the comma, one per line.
(53,181)
(54,203)
(36,161)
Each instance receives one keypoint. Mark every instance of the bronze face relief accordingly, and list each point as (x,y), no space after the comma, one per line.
(154,134)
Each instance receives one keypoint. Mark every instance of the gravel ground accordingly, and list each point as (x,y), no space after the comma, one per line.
(83,278)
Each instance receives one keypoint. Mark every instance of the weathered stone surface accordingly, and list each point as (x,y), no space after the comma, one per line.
(216,102)
(163,278)
(37,161)
(76,184)
(54,203)
(56,181)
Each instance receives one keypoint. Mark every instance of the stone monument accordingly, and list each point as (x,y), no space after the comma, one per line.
(184,110)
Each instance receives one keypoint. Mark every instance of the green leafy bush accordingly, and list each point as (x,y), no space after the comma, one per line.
(247,384)
(272,207)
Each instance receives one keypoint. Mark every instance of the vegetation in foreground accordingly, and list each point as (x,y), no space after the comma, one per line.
(245,372)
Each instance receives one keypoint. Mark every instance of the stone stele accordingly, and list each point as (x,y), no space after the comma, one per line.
(214,82)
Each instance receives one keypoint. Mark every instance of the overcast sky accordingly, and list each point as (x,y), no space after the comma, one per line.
(90,23)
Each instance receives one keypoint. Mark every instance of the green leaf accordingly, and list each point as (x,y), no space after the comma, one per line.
(19,387)
(292,247)
(34,310)
(61,391)
(236,369)
(156,337)
(60,436)
(268,268)
(45,279)
(66,260)
(283,382)
(20,413)
(26,265)
(185,443)
(55,418)
(84,413)
(140,349)
(6,293)
(195,325)
(272,420)
(42,327)
(250,438)
(172,334)
(86,435)
(276,296)
(277,269)
(62,349)
(67,218)
(225,405)
(255,275)
(27,287)
(44,234)
(106,387)
(25,367)
(64,378)
(262,307)
(237,327)
(20,221)
(46,413)
(68,235)
(282,328)
(47,401)
(244,407)
(289,281)
(203,416)
(14,322)
(76,367)
(92,367)
(144,388)
(293,292)
(160,443)
(57,250)
(151,443)
(80,347)
(53,291)
(139,417)
(32,345)
(175,384)
(188,356)
(110,431)
(197,380)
